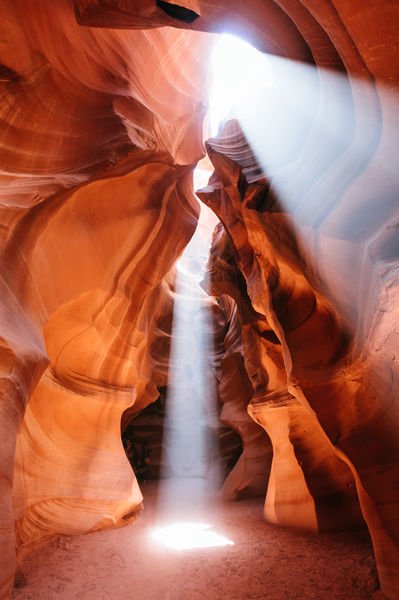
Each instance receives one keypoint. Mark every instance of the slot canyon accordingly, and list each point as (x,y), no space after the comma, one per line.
(199,299)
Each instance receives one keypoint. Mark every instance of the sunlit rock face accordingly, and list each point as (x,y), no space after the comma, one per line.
(324,388)
(96,340)
(97,151)
(317,246)
(101,108)
(309,486)
(249,476)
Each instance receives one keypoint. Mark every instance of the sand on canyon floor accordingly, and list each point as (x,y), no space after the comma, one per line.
(265,563)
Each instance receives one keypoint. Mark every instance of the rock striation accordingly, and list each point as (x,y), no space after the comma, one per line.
(97,155)
(323,390)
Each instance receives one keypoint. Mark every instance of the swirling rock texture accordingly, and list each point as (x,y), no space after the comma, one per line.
(321,393)
(306,476)
(308,486)
(102,103)
(97,152)
(250,474)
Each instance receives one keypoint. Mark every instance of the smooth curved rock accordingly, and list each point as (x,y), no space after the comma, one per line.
(327,397)
(91,186)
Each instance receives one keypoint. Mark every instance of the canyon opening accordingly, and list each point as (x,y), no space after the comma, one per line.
(199,300)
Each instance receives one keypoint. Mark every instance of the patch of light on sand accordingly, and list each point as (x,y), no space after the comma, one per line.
(185,536)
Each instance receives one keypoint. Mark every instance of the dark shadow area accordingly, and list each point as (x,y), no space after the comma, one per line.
(143,443)
(178,12)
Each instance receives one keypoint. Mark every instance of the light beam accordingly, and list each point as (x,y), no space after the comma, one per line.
(328,143)
(191,420)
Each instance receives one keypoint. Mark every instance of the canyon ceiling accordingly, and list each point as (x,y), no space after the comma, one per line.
(102,109)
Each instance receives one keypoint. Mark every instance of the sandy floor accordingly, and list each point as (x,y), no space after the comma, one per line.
(265,562)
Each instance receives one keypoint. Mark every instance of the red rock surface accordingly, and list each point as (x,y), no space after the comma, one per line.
(102,105)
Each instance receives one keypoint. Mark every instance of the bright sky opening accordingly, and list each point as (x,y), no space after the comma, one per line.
(238,69)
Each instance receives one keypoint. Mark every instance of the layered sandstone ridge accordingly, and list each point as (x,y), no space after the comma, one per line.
(324,385)
(97,152)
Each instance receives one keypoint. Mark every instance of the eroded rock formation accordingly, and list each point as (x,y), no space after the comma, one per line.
(96,176)
(323,396)
(102,106)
